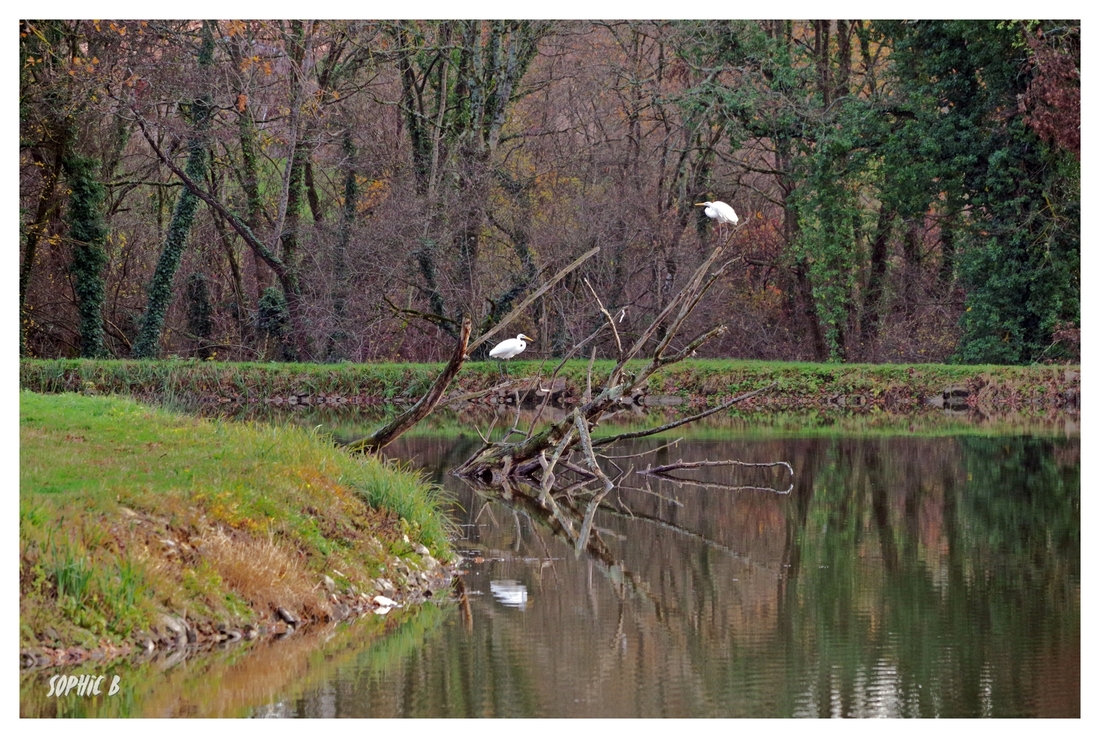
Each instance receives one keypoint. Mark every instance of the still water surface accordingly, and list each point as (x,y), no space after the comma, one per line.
(900,577)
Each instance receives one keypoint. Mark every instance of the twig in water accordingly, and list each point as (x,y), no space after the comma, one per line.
(663,472)
(663,446)
(681,464)
(682,421)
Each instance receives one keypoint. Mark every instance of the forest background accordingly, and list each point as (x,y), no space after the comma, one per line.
(350,190)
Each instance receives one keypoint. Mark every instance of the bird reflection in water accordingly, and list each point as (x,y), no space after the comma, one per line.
(509,593)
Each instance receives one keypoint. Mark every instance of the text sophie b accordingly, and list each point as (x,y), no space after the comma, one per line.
(85,685)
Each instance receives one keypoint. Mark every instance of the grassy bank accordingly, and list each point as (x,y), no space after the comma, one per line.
(699,382)
(128,514)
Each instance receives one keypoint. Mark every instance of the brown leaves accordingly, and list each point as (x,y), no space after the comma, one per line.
(1053,98)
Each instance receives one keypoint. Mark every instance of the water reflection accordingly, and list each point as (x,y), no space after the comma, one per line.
(510,593)
(899,577)
(904,577)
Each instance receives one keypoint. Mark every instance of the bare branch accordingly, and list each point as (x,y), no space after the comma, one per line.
(532,297)
(663,472)
(681,464)
(683,421)
(610,321)
(662,447)
(440,320)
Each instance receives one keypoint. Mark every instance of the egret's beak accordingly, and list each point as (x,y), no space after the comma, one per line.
(700,204)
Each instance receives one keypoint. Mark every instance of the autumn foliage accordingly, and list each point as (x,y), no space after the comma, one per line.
(354,190)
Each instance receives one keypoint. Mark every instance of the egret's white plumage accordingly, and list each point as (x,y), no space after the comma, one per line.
(720,211)
(511,347)
(508,349)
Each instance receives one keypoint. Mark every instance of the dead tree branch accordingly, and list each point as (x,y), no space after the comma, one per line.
(610,320)
(528,457)
(683,421)
(532,297)
(663,472)
(681,464)
(423,407)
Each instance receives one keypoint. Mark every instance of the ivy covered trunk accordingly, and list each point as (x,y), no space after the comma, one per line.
(160,289)
(87,232)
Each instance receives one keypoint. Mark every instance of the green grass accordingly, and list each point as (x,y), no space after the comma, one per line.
(701,380)
(881,398)
(127,511)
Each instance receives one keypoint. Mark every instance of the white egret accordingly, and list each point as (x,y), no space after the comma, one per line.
(719,211)
(511,347)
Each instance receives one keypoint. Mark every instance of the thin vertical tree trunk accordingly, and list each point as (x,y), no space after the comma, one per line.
(869,324)
(336,350)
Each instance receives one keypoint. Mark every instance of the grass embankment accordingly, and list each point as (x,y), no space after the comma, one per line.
(699,382)
(129,513)
(189,379)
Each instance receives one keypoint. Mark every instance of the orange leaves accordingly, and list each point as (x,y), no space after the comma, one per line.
(257,62)
(373,194)
(235,28)
(242,102)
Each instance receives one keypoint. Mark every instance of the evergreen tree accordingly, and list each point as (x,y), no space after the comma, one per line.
(1012,200)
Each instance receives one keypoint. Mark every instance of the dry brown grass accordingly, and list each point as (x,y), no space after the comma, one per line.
(266,573)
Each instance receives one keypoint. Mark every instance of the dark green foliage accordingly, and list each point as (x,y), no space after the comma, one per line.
(1012,200)
(200,313)
(273,320)
(87,233)
(1022,270)
(273,314)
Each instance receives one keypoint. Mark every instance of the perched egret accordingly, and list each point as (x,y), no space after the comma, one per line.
(720,211)
(511,347)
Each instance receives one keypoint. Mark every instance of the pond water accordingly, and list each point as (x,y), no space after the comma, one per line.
(899,576)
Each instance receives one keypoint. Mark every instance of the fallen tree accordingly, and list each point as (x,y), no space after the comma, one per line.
(566,445)
(423,407)
(392,430)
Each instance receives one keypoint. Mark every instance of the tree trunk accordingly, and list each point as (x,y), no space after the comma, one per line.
(249,178)
(160,289)
(32,234)
(88,233)
(809,310)
(869,324)
(336,350)
(391,431)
